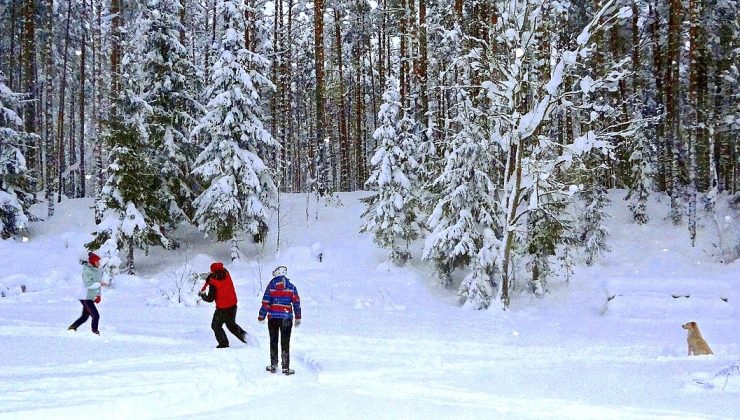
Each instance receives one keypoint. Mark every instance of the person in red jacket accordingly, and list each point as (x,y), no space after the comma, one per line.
(221,290)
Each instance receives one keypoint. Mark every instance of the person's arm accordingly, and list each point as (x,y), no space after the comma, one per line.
(296,303)
(266,303)
(210,296)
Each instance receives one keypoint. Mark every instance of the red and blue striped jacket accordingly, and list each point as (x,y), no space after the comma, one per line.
(281,300)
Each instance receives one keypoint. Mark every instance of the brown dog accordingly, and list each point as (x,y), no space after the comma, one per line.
(697,345)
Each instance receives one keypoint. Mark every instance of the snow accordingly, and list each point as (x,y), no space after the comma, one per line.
(378,341)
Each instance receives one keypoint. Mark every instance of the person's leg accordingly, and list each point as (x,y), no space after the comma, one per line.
(82,319)
(231,324)
(217,326)
(93,310)
(286,326)
(273,325)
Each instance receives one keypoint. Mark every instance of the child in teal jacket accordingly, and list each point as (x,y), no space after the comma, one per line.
(91,281)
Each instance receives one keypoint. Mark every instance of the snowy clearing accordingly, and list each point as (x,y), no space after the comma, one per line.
(377,341)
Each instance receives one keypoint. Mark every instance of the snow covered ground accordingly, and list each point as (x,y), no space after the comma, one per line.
(377,341)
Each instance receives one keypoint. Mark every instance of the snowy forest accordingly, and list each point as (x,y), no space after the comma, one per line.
(490,130)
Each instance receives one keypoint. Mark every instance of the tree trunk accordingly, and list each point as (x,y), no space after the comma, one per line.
(458,6)
(359,143)
(421,67)
(130,267)
(276,60)
(513,187)
(83,53)
(207,54)
(11,71)
(29,76)
(673,120)
(322,161)
(98,91)
(182,6)
(344,163)
(661,140)
(636,81)
(693,120)
(48,105)
(115,51)
(60,113)
(288,150)
(403,52)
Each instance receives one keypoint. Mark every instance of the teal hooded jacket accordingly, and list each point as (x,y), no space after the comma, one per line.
(91,277)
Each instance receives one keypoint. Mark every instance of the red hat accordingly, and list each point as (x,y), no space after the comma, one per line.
(217,266)
(93,258)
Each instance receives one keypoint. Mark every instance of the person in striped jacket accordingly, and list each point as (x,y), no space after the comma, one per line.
(280,304)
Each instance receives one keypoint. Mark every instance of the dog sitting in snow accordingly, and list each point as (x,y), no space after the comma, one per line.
(697,344)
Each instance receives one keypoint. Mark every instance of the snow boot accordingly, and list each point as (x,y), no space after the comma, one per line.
(222,346)
(285,359)
(271,368)
(72,328)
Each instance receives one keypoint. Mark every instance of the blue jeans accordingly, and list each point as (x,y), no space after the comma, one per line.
(88,310)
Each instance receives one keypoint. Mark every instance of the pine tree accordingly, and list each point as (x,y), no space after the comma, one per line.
(16,184)
(167,80)
(393,212)
(239,186)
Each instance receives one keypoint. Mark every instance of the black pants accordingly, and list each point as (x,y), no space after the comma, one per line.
(88,310)
(227,316)
(281,327)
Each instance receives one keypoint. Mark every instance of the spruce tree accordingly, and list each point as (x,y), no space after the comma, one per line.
(167,80)
(593,232)
(239,185)
(641,172)
(466,207)
(392,213)
(134,211)
(16,185)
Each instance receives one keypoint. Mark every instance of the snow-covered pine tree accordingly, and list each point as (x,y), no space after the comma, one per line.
(167,88)
(239,185)
(133,211)
(641,172)
(547,221)
(466,208)
(16,184)
(593,232)
(392,213)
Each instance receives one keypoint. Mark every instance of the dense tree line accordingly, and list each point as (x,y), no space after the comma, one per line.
(491,129)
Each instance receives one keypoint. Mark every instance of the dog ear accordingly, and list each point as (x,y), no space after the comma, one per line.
(693,324)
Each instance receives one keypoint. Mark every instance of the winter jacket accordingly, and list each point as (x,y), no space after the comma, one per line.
(280,300)
(91,277)
(221,289)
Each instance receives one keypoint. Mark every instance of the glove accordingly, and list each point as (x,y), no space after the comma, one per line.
(297,323)
(97,299)
(261,320)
